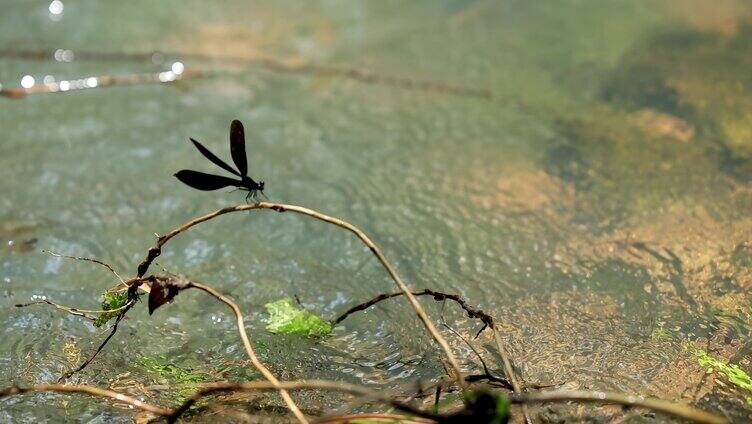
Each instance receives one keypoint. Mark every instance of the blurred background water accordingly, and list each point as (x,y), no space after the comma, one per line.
(598,203)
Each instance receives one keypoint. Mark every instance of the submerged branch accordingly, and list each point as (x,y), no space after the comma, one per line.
(155,251)
(267,63)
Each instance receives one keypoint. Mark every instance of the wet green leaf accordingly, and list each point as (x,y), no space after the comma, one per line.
(286,318)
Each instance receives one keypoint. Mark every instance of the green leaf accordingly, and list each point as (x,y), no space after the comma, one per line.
(111,301)
(286,318)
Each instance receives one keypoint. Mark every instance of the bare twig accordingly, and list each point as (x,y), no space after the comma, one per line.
(89,390)
(249,349)
(73,311)
(155,251)
(113,330)
(472,312)
(671,408)
(83,258)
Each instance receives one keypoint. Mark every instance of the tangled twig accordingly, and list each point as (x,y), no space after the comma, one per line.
(674,409)
(472,312)
(155,251)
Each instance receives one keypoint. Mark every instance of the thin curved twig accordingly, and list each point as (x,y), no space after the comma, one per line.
(249,348)
(671,408)
(89,390)
(155,251)
(73,311)
(472,312)
(83,258)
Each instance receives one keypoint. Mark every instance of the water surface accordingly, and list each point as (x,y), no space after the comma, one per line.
(598,204)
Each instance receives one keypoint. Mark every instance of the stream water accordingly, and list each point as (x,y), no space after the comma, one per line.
(598,203)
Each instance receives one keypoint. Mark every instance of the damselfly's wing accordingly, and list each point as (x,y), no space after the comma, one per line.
(202,181)
(209,155)
(237,146)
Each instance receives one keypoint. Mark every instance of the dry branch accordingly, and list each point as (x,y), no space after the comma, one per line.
(73,311)
(472,312)
(89,390)
(87,259)
(155,251)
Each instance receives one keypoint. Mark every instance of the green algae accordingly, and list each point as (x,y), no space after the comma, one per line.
(186,381)
(111,302)
(733,372)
